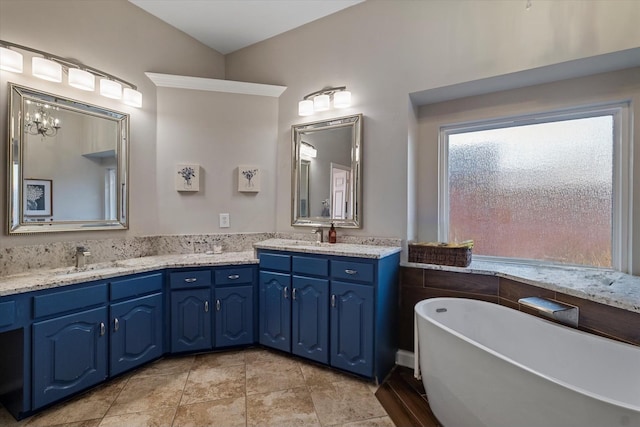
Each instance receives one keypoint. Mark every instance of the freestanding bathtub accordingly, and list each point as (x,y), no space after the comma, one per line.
(483,364)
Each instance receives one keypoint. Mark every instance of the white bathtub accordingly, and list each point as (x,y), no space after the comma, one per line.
(483,364)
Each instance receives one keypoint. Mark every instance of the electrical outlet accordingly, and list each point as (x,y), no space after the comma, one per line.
(224,220)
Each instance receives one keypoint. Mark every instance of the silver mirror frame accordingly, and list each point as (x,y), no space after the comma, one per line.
(15,152)
(355,122)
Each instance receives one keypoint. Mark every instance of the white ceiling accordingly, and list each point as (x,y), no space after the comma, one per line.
(229,25)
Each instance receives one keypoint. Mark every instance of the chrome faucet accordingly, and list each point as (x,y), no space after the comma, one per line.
(318,233)
(82,254)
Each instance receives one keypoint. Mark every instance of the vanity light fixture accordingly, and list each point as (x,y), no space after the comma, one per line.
(10,60)
(46,69)
(307,151)
(51,67)
(321,100)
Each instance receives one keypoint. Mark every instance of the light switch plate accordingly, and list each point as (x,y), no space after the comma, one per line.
(224,220)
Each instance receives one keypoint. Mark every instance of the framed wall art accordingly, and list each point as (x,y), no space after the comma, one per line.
(38,197)
(187,177)
(248,178)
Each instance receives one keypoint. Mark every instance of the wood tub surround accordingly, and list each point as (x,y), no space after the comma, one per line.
(417,284)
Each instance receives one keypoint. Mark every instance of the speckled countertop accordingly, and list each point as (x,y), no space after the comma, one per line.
(35,280)
(338,249)
(604,286)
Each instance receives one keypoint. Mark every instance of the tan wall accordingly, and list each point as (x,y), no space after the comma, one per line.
(218,131)
(385,50)
(119,38)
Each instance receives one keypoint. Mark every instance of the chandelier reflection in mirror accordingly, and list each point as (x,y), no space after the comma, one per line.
(41,121)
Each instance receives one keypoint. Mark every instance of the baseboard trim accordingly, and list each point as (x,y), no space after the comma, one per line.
(405,358)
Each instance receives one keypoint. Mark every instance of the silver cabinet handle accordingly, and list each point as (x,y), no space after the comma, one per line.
(190,279)
(293,293)
(286,292)
(333,300)
(206,306)
(218,304)
(348,271)
(103,330)
(116,324)
(233,276)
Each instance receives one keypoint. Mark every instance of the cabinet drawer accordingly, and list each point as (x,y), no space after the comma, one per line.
(58,301)
(135,286)
(277,262)
(190,279)
(233,276)
(349,270)
(310,265)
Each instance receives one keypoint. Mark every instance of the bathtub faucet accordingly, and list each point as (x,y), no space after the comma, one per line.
(563,313)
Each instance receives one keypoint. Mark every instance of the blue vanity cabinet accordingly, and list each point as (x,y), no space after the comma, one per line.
(136,322)
(234,297)
(191,317)
(70,343)
(352,327)
(338,310)
(275,310)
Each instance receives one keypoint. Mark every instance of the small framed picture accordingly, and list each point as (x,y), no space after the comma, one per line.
(187,177)
(38,197)
(248,178)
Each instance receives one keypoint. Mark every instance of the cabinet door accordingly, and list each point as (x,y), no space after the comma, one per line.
(352,327)
(234,316)
(190,320)
(136,332)
(310,318)
(69,355)
(275,310)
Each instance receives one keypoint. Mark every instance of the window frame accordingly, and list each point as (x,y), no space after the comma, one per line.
(621,224)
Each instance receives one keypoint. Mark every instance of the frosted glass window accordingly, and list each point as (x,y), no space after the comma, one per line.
(540,191)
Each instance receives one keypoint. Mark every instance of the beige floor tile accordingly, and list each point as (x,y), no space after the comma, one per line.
(89,406)
(292,407)
(223,413)
(145,394)
(372,422)
(214,383)
(261,355)
(348,401)
(216,360)
(167,366)
(158,418)
(274,375)
(319,377)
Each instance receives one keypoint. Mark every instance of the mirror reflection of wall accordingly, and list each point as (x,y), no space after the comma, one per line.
(333,146)
(76,160)
(303,197)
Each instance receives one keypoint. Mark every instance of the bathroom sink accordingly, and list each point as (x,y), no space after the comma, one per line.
(88,269)
(307,243)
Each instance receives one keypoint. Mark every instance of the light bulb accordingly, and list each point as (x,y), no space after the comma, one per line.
(46,69)
(10,60)
(342,99)
(81,79)
(321,103)
(132,97)
(110,89)
(305,107)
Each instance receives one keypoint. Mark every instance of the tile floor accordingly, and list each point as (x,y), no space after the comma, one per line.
(251,387)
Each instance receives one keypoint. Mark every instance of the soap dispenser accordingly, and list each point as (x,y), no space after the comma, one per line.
(332,234)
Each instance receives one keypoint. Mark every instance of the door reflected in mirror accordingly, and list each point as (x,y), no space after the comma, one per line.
(68,162)
(326,178)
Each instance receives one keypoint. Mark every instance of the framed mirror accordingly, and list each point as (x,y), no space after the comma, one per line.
(67,164)
(326,173)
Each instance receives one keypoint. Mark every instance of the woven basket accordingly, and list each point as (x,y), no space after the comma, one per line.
(435,253)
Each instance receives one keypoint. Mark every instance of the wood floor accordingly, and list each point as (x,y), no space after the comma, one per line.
(404,399)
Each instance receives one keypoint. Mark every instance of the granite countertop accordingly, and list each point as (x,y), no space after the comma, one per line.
(338,249)
(604,286)
(35,280)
